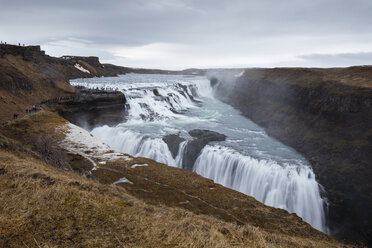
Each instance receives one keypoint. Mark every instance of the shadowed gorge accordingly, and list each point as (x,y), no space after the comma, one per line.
(326,115)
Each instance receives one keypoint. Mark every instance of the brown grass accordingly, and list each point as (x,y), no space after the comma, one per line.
(16,72)
(41,206)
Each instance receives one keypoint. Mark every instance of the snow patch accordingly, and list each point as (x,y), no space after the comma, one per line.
(123,180)
(138,165)
(79,67)
(78,140)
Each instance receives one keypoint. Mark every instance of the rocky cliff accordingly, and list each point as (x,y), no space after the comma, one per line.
(325,114)
(28,76)
(94,110)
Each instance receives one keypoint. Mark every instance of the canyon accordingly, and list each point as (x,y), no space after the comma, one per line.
(324,114)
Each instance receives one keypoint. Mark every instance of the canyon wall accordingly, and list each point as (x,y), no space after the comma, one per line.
(93,110)
(325,114)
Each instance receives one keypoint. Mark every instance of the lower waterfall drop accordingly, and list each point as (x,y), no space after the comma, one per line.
(292,188)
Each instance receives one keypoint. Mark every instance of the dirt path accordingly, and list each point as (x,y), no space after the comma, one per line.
(19,116)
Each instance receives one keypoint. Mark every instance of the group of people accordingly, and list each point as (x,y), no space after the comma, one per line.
(103,91)
(59,99)
(33,109)
(110,89)
(28,111)
(4,43)
(96,89)
(83,94)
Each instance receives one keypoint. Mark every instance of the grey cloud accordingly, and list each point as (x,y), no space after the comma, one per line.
(213,29)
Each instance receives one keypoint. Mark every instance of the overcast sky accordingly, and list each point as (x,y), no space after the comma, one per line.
(178,34)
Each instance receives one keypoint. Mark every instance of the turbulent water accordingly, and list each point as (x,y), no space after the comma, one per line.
(248,161)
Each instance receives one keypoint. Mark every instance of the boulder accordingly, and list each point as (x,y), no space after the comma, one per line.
(194,147)
(173,142)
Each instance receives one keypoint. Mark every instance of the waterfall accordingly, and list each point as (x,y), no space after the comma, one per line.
(181,151)
(249,161)
(288,187)
(134,144)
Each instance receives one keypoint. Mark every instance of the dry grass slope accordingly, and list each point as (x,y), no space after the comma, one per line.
(41,206)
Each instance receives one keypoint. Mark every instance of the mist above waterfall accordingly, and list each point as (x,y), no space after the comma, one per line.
(248,160)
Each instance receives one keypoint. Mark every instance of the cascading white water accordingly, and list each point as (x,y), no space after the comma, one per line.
(248,161)
(134,144)
(180,154)
(289,187)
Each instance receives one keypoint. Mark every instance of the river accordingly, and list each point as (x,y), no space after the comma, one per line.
(249,160)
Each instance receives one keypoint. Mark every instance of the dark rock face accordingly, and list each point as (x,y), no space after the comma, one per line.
(93,111)
(207,135)
(325,114)
(173,141)
(15,83)
(156,92)
(29,53)
(214,81)
(194,147)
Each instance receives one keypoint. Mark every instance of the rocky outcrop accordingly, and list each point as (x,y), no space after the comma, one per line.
(194,147)
(29,76)
(93,110)
(325,114)
(173,142)
(29,53)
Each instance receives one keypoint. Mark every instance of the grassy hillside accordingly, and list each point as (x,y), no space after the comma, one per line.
(42,206)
